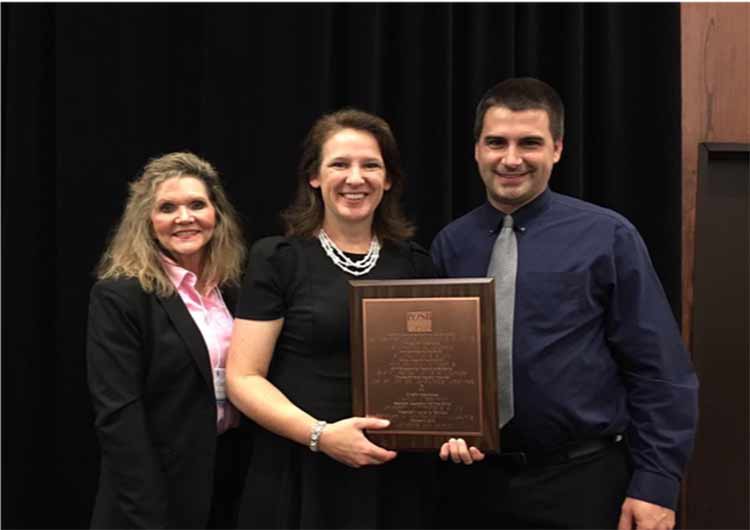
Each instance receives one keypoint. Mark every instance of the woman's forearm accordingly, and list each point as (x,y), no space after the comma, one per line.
(265,404)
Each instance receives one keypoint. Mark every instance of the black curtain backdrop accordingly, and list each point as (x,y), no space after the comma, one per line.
(91,91)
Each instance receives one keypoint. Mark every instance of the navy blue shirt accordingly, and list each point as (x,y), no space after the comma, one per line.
(596,349)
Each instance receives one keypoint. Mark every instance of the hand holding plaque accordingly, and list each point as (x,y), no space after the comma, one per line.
(346,442)
(423,357)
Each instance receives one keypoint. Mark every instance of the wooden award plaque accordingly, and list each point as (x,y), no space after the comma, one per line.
(423,357)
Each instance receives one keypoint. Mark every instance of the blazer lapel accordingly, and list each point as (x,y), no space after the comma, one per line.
(188,330)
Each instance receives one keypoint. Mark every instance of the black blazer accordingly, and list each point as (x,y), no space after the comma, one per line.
(151,385)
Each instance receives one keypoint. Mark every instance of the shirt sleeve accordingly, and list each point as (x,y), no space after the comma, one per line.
(268,280)
(423,265)
(117,364)
(438,255)
(662,388)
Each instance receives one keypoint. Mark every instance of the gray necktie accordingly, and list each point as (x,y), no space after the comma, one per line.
(503,265)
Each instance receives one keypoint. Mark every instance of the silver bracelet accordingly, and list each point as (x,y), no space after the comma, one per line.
(315,435)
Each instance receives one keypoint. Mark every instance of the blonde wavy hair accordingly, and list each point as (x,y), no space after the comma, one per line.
(133,250)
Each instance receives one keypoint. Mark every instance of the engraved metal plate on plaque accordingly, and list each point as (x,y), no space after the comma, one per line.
(423,356)
(422,364)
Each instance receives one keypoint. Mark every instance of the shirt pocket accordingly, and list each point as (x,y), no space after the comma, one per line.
(552,298)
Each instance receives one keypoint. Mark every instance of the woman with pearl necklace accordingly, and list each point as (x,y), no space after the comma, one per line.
(288,366)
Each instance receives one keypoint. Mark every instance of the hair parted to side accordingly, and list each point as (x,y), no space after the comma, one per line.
(133,251)
(305,215)
(523,93)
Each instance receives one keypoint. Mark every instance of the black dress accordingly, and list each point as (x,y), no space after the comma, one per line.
(288,486)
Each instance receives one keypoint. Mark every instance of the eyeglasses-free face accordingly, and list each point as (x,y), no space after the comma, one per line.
(184,219)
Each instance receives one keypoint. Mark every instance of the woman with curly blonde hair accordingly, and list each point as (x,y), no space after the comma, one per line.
(160,320)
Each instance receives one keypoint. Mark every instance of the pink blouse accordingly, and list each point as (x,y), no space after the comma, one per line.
(214,321)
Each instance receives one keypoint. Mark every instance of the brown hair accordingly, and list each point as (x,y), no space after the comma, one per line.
(133,251)
(523,93)
(305,215)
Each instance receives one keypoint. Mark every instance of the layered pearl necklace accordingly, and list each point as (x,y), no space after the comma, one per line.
(343,262)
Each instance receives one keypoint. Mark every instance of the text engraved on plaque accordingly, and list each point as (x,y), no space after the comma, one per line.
(422,364)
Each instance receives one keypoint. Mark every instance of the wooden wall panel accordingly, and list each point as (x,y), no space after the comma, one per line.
(715,108)
(715,105)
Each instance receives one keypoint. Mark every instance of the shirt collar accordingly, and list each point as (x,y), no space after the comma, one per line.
(177,274)
(492,219)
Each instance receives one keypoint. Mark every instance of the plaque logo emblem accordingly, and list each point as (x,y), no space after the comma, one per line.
(419,321)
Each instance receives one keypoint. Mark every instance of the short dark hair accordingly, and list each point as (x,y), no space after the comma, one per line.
(523,93)
(305,215)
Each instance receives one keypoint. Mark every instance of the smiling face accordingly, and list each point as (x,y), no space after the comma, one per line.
(183,219)
(351,178)
(515,154)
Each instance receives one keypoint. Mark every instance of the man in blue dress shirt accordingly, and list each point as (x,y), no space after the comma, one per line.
(605,397)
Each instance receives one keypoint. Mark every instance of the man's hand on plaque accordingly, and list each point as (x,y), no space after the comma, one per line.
(345,442)
(457,450)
